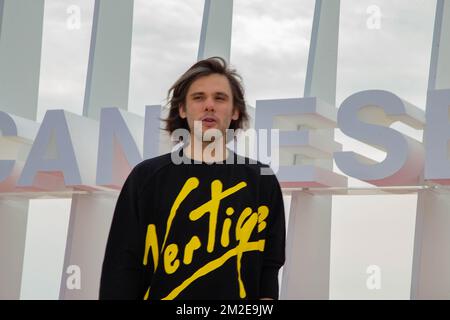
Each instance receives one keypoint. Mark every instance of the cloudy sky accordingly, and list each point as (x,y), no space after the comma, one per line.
(270,44)
(383,44)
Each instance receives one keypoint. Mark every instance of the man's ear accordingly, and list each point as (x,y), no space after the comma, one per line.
(182,111)
(236,114)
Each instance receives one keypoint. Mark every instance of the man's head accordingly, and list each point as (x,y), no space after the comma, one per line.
(209,92)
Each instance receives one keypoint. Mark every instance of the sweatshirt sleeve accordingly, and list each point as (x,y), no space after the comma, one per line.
(122,270)
(274,252)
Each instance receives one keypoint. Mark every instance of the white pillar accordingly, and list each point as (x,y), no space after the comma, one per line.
(107,85)
(431,257)
(108,77)
(90,220)
(215,38)
(21,24)
(13,227)
(306,274)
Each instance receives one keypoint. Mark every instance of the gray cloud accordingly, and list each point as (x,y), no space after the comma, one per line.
(270,46)
(395,57)
(64,57)
(165,43)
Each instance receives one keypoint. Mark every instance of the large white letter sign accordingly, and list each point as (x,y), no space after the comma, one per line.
(405,156)
(17,135)
(118,152)
(8,128)
(437,136)
(152,131)
(65,143)
(304,117)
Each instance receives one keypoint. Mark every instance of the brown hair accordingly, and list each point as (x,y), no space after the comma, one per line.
(177,93)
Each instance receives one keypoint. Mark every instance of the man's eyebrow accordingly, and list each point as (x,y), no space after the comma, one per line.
(196,94)
(222,94)
(199,93)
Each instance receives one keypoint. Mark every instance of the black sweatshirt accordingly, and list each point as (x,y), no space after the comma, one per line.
(195,231)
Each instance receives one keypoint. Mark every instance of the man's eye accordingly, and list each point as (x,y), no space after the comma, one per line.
(220,98)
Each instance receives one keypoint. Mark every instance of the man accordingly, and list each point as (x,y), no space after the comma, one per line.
(201,222)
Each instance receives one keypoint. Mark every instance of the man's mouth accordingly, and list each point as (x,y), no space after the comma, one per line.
(208,121)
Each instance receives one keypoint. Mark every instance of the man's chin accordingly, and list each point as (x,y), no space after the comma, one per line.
(212,131)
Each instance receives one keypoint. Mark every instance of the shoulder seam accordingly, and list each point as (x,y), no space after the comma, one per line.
(161,163)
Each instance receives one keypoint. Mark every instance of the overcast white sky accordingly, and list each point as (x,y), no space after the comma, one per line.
(270,44)
(269,47)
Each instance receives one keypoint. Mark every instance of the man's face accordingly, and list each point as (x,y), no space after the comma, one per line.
(210,100)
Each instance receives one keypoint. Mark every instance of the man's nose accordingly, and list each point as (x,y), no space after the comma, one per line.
(209,104)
